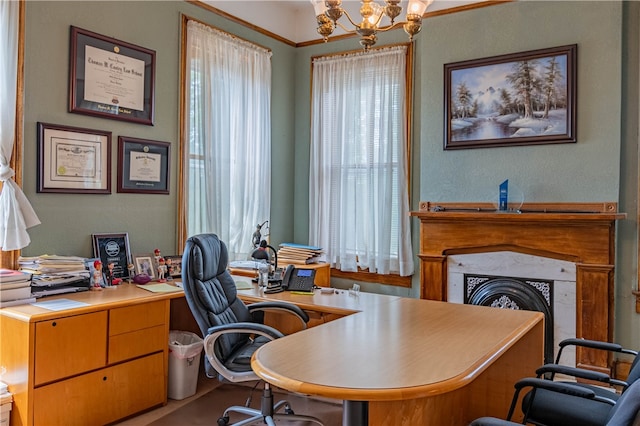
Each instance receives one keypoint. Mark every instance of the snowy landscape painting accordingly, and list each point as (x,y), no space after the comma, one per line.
(515,99)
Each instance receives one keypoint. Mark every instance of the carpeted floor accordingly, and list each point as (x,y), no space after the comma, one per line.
(206,409)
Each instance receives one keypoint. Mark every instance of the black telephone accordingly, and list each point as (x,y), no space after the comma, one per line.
(298,279)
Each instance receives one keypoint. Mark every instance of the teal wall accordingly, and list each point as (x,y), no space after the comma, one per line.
(68,220)
(602,166)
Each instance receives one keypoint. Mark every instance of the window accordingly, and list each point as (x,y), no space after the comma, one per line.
(358,186)
(226,177)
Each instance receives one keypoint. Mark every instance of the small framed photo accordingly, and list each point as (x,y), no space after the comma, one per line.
(145,264)
(113,248)
(111,78)
(143,166)
(174,264)
(523,98)
(73,160)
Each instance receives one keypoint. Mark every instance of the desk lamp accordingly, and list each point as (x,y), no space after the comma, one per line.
(262,252)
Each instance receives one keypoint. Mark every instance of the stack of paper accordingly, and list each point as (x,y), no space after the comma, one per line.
(53,274)
(298,254)
(52,265)
(15,288)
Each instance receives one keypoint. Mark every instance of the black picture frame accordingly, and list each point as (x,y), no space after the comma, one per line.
(113,248)
(515,99)
(111,78)
(143,165)
(73,160)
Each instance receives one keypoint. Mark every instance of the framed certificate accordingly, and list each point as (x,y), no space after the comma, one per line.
(143,165)
(73,160)
(110,78)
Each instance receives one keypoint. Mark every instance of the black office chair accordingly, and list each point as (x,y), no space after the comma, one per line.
(232,330)
(551,409)
(625,411)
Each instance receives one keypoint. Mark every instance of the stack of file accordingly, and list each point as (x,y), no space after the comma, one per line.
(53,274)
(299,254)
(15,288)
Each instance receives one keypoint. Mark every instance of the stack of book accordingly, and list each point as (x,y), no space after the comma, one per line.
(53,274)
(299,254)
(15,288)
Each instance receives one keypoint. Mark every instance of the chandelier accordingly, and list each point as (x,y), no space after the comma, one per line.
(328,12)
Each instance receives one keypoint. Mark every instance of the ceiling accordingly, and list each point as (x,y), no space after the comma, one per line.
(295,20)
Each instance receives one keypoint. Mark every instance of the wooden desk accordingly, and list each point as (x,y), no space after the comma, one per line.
(411,361)
(87,365)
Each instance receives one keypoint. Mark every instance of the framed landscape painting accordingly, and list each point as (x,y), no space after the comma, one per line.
(515,99)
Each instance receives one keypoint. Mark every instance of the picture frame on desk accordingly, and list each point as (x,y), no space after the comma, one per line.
(113,248)
(143,166)
(111,78)
(176,265)
(145,264)
(73,160)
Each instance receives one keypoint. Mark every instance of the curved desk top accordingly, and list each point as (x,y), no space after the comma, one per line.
(403,349)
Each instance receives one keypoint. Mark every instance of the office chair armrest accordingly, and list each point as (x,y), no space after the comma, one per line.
(283,307)
(246,328)
(560,387)
(491,421)
(574,372)
(593,344)
(215,333)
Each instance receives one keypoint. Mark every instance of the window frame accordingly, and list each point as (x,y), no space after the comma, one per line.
(9,259)
(393,279)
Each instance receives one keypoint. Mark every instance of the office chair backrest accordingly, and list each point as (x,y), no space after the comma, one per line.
(627,408)
(634,371)
(211,292)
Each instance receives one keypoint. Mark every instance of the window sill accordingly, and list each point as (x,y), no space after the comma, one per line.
(391,279)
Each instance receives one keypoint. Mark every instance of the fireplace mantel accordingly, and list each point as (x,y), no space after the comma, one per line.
(582,233)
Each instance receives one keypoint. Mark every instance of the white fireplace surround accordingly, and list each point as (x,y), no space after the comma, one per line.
(512,264)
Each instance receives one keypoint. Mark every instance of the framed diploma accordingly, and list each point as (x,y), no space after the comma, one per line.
(73,160)
(110,78)
(143,165)
(113,248)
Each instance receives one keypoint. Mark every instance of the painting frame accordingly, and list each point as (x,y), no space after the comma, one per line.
(145,263)
(113,247)
(111,78)
(485,105)
(143,165)
(73,160)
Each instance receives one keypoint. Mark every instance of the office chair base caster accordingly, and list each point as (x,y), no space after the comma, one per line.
(223,421)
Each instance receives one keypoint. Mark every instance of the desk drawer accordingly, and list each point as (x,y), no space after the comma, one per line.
(136,343)
(137,317)
(68,346)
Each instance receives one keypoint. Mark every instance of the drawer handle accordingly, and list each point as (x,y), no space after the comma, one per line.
(104,379)
(54,323)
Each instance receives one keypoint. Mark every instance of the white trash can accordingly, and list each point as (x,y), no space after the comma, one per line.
(185,349)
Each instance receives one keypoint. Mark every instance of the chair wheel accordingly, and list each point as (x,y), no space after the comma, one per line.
(223,421)
(288,409)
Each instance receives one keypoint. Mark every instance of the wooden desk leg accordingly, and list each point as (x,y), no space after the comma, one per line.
(355,413)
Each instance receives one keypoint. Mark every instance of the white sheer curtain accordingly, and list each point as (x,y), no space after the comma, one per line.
(228,158)
(16,214)
(358,186)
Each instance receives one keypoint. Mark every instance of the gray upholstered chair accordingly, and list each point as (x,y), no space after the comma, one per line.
(625,411)
(232,331)
(548,408)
